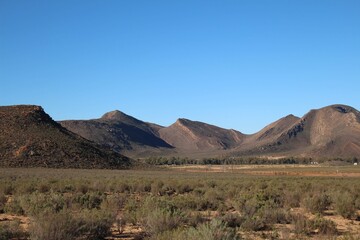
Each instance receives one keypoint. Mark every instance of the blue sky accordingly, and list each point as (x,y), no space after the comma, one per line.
(236,64)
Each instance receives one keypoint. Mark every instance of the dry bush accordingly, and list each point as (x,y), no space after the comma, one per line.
(157,215)
(90,225)
(57,226)
(14,207)
(213,230)
(319,225)
(12,231)
(345,205)
(317,203)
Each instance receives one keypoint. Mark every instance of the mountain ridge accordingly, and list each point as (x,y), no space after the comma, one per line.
(312,135)
(331,131)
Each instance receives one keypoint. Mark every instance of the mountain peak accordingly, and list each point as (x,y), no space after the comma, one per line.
(115,115)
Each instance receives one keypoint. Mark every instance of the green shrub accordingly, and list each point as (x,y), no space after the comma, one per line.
(89,200)
(37,203)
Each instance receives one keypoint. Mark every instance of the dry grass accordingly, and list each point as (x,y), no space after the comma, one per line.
(236,197)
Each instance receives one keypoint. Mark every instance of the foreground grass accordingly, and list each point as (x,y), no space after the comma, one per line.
(172,204)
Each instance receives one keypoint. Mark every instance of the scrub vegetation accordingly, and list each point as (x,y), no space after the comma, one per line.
(173,204)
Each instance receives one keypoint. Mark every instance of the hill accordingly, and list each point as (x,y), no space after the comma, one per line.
(186,135)
(31,138)
(120,132)
(332,131)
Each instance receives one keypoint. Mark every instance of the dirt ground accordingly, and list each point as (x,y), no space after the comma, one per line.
(276,170)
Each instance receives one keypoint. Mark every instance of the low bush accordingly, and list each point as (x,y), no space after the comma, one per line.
(158,215)
(12,231)
(319,225)
(324,226)
(317,203)
(213,230)
(345,205)
(57,226)
(90,225)
(38,203)
(14,207)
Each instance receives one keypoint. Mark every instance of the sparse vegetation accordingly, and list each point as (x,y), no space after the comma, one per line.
(168,204)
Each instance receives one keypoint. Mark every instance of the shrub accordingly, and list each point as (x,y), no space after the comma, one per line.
(317,203)
(37,203)
(232,220)
(89,200)
(324,226)
(292,199)
(306,226)
(160,220)
(213,230)
(96,224)
(274,215)
(90,225)
(301,224)
(11,231)
(345,205)
(253,224)
(56,226)
(14,207)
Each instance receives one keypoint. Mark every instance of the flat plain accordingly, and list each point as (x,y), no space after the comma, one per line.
(182,202)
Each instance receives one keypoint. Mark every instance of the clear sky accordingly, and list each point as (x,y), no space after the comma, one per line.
(236,64)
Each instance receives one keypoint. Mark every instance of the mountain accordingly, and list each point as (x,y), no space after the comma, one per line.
(31,138)
(121,132)
(187,135)
(332,131)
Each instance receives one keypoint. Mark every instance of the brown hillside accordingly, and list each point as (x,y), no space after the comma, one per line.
(30,138)
(332,131)
(188,135)
(121,132)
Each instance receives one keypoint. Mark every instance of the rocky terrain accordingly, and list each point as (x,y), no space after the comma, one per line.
(31,138)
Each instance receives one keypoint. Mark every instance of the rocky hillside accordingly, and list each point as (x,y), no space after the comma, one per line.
(30,138)
(187,135)
(332,131)
(120,132)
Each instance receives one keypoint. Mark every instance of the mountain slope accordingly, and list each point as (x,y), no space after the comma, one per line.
(332,131)
(121,132)
(187,135)
(30,138)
